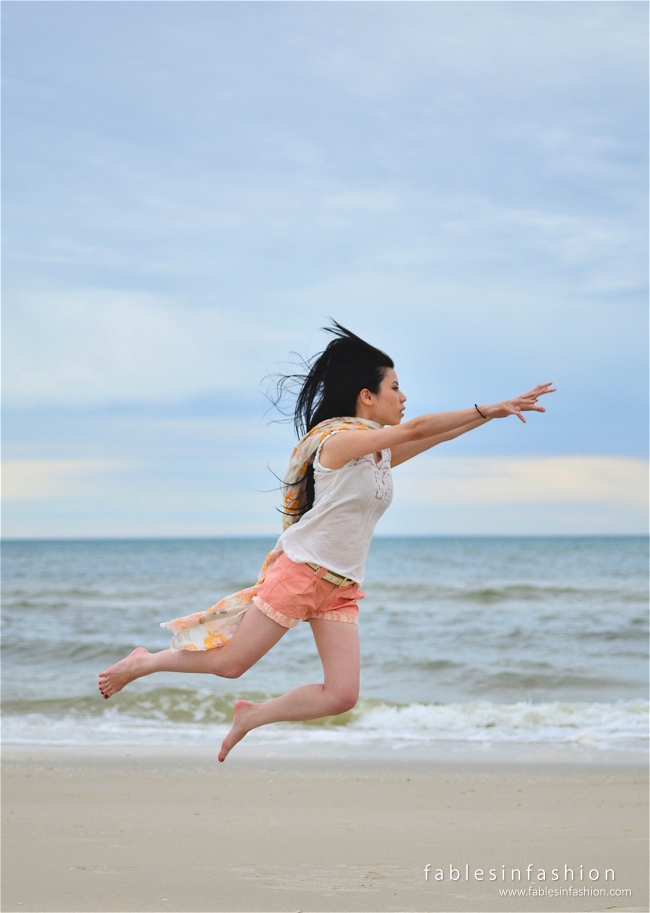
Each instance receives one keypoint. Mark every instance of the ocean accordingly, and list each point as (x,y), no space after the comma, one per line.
(475,642)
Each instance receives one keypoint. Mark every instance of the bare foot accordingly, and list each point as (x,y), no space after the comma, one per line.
(242,722)
(116,677)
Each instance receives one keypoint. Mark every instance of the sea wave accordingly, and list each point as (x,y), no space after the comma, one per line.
(516,592)
(166,715)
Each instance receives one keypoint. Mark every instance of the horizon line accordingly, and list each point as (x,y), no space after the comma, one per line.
(170,538)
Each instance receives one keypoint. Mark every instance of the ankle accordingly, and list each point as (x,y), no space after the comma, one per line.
(247,715)
(142,664)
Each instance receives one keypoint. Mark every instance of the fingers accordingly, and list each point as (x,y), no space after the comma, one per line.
(528,401)
(513,408)
(541,389)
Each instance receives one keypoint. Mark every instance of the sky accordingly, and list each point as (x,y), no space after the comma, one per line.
(191,190)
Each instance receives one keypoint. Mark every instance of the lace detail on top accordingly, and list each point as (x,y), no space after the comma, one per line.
(383,488)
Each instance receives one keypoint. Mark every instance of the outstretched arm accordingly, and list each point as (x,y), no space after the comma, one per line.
(338,449)
(402,452)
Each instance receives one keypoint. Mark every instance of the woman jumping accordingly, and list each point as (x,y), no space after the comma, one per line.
(349,417)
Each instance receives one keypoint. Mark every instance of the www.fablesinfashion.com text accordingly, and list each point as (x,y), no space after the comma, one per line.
(543,891)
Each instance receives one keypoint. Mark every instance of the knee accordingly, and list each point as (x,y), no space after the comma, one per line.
(230,669)
(342,701)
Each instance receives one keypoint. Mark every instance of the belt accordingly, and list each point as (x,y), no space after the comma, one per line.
(330,576)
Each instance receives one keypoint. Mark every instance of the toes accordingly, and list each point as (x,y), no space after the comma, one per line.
(223,754)
(105,688)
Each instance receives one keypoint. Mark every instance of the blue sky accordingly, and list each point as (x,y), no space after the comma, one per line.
(190,191)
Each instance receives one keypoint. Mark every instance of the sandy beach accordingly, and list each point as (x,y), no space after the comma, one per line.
(134,828)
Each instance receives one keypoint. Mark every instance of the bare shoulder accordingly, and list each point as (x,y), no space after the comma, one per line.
(339,449)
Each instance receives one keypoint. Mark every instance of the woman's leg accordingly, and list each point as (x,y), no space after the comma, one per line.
(255,635)
(338,647)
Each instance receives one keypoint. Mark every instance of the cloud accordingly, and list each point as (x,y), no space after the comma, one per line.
(619,481)
(33,480)
(97,345)
(190,191)
(234,495)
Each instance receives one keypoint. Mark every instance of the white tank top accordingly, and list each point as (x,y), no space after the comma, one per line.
(348,502)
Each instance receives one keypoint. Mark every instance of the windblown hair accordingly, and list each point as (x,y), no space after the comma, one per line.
(336,377)
(332,382)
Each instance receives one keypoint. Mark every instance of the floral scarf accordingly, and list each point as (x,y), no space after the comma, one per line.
(214,627)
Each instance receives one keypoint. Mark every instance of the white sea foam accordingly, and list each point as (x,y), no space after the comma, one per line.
(621,725)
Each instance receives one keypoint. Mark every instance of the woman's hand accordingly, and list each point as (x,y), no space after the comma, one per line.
(525,403)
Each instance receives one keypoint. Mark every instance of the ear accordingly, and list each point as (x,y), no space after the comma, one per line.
(366,397)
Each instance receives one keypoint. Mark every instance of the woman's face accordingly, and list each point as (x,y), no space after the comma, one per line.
(385,407)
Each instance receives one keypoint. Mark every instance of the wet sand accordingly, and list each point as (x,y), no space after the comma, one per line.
(134,828)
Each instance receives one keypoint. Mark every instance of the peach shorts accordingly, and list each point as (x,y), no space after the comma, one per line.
(293,592)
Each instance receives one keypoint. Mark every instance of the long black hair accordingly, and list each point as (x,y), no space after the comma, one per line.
(337,376)
(332,382)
